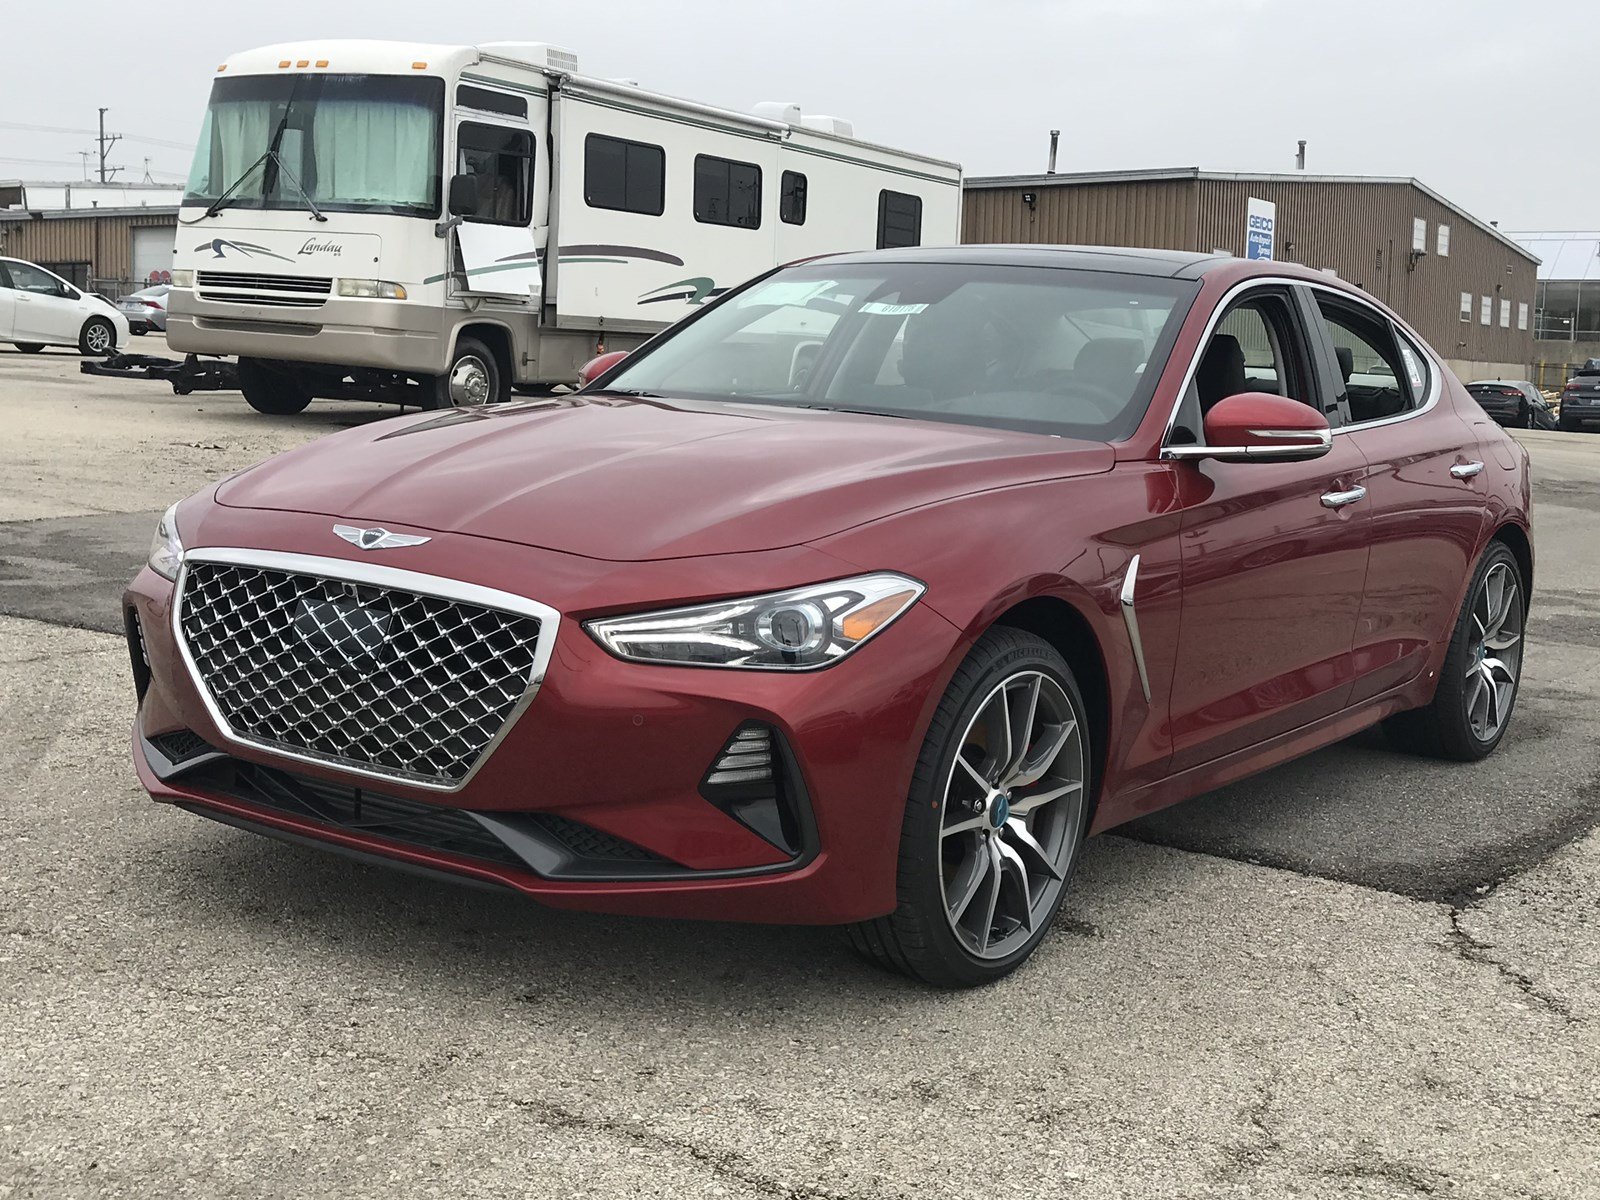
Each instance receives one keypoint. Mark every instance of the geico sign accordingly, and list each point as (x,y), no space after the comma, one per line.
(1262,223)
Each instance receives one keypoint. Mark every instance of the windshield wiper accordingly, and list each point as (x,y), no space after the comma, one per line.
(636,393)
(221,201)
(283,169)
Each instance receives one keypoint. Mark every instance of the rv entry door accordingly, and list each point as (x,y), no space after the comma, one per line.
(501,241)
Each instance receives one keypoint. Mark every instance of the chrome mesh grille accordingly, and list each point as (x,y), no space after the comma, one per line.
(402,684)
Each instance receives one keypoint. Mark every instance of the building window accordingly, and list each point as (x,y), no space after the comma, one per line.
(1466,306)
(727,192)
(792,198)
(1486,312)
(625,176)
(501,161)
(1505,314)
(1419,235)
(1522,316)
(1442,242)
(899,220)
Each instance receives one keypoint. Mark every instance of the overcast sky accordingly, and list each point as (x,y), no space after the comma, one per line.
(1486,101)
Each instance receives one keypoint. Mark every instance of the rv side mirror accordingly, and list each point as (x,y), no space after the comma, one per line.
(463,195)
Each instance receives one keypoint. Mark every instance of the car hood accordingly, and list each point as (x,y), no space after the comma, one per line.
(635,480)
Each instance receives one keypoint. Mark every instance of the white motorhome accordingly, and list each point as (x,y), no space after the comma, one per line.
(436,225)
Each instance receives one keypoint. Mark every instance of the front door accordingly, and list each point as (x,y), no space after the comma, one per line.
(501,242)
(1274,556)
(44,312)
(1426,492)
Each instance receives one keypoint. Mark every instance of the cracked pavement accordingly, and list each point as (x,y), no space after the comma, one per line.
(1397,997)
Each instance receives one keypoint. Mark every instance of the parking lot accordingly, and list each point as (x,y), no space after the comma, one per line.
(1360,975)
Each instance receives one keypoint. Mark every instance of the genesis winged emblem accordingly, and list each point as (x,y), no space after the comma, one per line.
(376,539)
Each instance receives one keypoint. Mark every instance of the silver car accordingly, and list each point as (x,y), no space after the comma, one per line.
(146,309)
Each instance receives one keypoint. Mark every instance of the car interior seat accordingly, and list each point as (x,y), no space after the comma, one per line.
(1221,372)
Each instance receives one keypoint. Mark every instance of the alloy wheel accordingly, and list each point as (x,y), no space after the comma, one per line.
(98,339)
(1494,658)
(1011,822)
(469,381)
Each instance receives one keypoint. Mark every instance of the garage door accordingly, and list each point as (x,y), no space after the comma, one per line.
(152,254)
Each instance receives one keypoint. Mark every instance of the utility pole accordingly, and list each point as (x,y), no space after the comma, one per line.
(105,147)
(85,155)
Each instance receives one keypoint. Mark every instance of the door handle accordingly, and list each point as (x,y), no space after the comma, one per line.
(1340,499)
(1466,470)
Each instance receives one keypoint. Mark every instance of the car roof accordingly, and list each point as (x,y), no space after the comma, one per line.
(1123,259)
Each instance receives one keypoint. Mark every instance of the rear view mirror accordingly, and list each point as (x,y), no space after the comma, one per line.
(598,366)
(463,195)
(1260,425)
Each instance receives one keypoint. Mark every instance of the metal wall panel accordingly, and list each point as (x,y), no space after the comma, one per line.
(1157,214)
(101,240)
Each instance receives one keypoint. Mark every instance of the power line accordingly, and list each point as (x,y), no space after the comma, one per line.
(21,127)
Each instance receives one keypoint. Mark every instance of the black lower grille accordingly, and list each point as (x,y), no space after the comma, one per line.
(181,745)
(590,843)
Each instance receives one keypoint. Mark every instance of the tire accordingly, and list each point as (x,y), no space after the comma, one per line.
(31,347)
(1450,726)
(270,389)
(926,936)
(140,331)
(98,337)
(474,378)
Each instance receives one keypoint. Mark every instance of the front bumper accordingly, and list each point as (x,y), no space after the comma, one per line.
(390,335)
(616,749)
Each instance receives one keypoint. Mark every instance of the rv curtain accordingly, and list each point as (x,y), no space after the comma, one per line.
(375,151)
(234,136)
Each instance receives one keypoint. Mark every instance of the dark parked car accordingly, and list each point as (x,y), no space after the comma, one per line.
(860,597)
(1580,398)
(1518,404)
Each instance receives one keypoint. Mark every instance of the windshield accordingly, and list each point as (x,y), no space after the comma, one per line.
(355,143)
(1068,352)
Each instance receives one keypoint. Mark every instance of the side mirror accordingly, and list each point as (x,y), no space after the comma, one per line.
(463,195)
(70,292)
(1260,425)
(598,366)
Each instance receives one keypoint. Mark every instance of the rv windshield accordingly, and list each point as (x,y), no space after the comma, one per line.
(355,143)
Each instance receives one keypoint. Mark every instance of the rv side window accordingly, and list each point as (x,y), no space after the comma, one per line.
(501,160)
(484,100)
(792,198)
(899,220)
(626,176)
(727,192)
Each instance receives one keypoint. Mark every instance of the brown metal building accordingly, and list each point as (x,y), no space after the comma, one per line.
(107,250)
(1365,230)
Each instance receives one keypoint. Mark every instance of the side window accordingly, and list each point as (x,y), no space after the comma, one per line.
(792,198)
(899,220)
(1256,347)
(727,192)
(623,175)
(1377,379)
(26,278)
(5,279)
(501,160)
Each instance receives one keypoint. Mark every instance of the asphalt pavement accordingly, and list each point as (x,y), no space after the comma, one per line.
(1360,975)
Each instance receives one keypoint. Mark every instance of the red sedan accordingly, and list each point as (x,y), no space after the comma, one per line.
(861,597)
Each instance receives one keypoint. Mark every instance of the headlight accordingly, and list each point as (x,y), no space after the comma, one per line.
(166,551)
(782,631)
(183,279)
(372,289)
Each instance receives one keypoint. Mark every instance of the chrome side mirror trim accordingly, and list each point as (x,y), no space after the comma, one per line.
(1298,444)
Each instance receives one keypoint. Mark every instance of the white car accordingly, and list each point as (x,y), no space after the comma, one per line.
(39,309)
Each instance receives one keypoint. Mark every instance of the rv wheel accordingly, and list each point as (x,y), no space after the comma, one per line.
(473,378)
(271,389)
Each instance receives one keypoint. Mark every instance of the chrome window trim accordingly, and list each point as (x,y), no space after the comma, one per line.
(1232,295)
(345,571)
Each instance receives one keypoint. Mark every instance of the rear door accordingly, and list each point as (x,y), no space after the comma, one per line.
(1425,490)
(8,303)
(1274,554)
(43,312)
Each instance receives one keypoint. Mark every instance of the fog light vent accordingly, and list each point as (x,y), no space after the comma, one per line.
(747,759)
(756,781)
